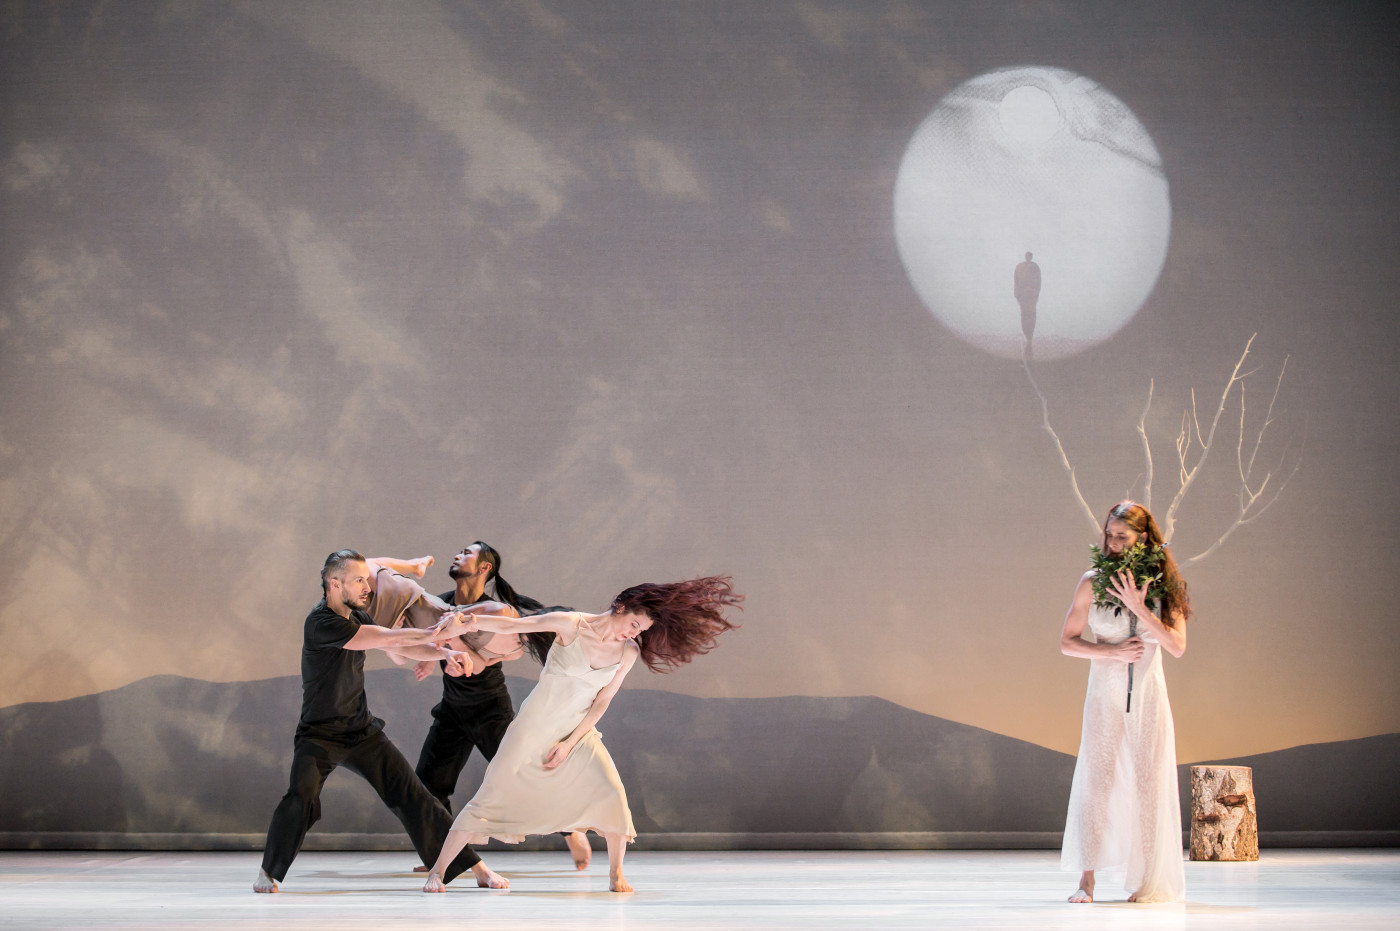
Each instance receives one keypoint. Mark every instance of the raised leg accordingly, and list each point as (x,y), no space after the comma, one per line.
(580,849)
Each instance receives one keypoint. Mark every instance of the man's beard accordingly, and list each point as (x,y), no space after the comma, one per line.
(364,603)
(456,573)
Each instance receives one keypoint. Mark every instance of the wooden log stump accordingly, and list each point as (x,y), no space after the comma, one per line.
(1224,825)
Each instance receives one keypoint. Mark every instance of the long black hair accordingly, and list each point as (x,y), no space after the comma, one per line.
(538,643)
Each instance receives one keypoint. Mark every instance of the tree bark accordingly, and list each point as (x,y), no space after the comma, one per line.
(1224,825)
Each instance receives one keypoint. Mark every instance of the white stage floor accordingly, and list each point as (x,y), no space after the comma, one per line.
(1353,889)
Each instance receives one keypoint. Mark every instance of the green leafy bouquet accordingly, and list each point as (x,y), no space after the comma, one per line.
(1144,563)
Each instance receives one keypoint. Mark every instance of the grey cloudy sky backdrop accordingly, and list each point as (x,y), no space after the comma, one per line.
(614,286)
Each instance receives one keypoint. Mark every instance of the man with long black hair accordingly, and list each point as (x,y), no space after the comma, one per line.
(475,710)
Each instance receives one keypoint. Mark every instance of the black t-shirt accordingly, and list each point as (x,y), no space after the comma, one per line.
(333,705)
(471,690)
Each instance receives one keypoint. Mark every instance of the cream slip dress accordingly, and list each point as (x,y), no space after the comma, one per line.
(518,796)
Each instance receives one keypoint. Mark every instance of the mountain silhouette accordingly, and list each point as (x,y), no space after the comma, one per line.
(183,756)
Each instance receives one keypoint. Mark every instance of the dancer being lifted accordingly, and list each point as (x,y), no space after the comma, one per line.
(1124,813)
(552,772)
(475,709)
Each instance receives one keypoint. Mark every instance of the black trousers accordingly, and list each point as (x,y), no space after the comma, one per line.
(385,769)
(458,727)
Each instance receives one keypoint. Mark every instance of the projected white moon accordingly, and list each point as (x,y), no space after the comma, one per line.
(1035,160)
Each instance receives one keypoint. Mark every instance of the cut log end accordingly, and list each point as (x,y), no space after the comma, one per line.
(1224,825)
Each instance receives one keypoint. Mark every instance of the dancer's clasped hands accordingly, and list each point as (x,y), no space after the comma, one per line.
(454,624)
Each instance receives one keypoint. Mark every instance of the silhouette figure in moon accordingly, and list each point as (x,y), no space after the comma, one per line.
(1027,287)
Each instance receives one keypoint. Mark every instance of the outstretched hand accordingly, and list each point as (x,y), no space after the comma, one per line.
(423,669)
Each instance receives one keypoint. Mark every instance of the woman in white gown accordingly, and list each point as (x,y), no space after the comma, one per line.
(1124,811)
(552,772)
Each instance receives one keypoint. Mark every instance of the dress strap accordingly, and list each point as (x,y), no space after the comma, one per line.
(578,627)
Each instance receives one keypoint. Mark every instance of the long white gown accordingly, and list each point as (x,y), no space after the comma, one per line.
(1124,811)
(518,796)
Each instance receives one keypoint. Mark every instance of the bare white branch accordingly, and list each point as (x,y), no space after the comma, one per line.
(1253,502)
(1241,519)
(1256,494)
(1064,459)
(1268,415)
(1239,446)
(1195,420)
(1207,441)
(1183,447)
(1146,446)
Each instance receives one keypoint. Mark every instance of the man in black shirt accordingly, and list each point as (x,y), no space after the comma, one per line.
(475,709)
(337,729)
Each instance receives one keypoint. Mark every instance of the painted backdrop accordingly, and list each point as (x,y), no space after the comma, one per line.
(638,291)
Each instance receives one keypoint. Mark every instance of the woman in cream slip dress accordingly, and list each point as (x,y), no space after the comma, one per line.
(1124,811)
(552,772)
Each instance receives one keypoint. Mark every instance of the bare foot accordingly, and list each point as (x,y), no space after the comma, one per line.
(417,567)
(1082,895)
(264,883)
(420,868)
(1133,897)
(434,884)
(582,852)
(488,878)
(1085,892)
(618,883)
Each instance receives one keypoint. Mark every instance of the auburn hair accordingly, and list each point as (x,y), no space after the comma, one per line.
(686,617)
(1176,604)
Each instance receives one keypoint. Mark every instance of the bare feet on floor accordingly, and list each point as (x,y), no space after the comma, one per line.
(488,878)
(264,883)
(618,883)
(580,849)
(1085,892)
(434,884)
(420,868)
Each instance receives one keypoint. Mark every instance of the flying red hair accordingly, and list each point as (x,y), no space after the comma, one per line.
(686,617)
